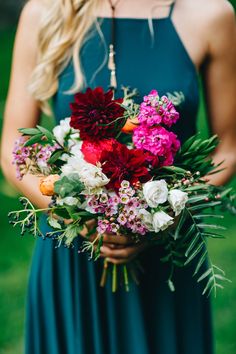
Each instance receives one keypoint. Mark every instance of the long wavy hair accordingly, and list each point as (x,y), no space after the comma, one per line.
(63,29)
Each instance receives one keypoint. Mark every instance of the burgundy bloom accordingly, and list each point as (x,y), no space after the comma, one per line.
(93,110)
(124,164)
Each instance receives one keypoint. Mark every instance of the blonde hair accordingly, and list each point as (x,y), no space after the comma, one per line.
(64,26)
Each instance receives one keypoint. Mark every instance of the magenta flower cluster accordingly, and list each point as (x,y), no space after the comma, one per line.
(121,210)
(157,110)
(151,135)
(31,158)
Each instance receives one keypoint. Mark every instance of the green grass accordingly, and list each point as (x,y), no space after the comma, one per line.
(16,252)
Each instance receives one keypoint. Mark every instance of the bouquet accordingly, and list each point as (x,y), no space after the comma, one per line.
(119,164)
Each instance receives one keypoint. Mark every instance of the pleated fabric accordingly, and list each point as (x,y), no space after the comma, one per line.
(67,311)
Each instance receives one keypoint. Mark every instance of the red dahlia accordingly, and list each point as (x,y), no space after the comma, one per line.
(124,164)
(93,110)
(92,150)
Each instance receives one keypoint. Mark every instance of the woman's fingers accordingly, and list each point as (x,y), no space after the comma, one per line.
(122,254)
(117,239)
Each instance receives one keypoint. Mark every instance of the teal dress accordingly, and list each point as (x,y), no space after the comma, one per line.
(67,311)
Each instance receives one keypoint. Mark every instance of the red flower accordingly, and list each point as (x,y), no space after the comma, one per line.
(124,164)
(92,150)
(92,110)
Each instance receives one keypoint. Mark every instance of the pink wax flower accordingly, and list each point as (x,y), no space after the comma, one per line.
(31,159)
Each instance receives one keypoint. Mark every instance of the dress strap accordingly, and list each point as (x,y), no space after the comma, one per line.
(172,8)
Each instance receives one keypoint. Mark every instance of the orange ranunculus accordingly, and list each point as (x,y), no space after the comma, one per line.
(130,124)
(46,184)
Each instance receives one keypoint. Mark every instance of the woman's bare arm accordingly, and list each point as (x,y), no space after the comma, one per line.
(219,74)
(21,109)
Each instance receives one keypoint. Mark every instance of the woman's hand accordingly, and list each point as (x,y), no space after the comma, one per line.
(119,249)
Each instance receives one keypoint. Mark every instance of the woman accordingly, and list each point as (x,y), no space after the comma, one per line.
(67,311)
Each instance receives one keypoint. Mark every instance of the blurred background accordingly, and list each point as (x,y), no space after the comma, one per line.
(16,252)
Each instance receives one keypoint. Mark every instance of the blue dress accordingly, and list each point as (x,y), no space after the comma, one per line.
(67,311)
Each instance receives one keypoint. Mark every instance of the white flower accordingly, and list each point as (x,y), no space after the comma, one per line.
(146,218)
(161,221)
(89,174)
(177,200)
(64,130)
(73,165)
(92,176)
(68,201)
(76,150)
(155,192)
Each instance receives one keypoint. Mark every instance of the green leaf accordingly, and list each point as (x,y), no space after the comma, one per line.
(174,169)
(180,224)
(200,262)
(29,131)
(212,235)
(54,223)
(188,143)
(68,186)
(197,198)
(194,253)
(72,231)
(46,132)
(171,285)
(211,226)
(35,139)
(226,192)
(199,216)
(55,156)
(192,244)
(204,275)
(204,206)
(62,212)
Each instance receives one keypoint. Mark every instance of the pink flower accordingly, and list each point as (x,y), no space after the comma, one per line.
(122,220)
(157,140)
(155,110)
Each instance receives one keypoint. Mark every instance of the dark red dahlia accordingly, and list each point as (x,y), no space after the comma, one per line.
(92,113)
(124,164)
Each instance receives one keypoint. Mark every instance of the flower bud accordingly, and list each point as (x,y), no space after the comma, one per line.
(46,184)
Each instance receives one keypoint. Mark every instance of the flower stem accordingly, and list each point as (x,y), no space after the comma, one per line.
(126,278)
(104,274)
(114,278)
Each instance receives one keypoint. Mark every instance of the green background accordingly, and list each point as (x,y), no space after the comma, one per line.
(16,252)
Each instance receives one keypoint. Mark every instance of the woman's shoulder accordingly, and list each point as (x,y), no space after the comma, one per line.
(211,10)
(213,21)
(32,13)
(29,24)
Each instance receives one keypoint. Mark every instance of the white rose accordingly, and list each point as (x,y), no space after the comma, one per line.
(89,174)
(64,129)
(146,218)
(92,176)
(155,192)
(177,200)
(161,221)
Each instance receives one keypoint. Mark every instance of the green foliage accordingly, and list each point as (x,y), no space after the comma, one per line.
(68,186)
(194,151)
(39,135)
(186,246)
